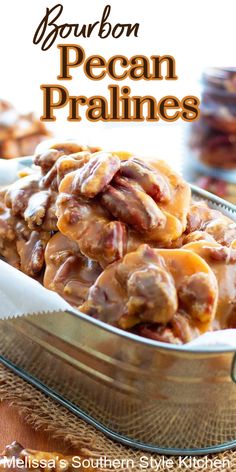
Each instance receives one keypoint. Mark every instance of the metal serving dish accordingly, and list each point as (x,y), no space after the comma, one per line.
(146,394)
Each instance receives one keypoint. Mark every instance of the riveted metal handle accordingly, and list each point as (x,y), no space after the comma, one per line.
(233,369)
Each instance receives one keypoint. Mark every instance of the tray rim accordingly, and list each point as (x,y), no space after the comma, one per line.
(149,342)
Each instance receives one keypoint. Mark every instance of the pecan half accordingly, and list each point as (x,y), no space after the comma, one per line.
(127,201)
(152,182)
(35,211)
(71,163)
(47,159)
(95,175)
(150,287)
(222,229)
(152,295)
(216,224)
(50,220)
(68,272)
(18,194)
(222,254)
(88,224)
(7,221)
(62,166)
(197,297)
(31,252)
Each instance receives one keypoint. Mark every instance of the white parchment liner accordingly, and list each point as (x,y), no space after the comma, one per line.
(21,295)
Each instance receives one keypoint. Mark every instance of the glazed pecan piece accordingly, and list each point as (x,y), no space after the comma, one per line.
(62,166)
(179,330)
(199,215)
(68,272)
(218,226)
(197,297)
(222,229)
(35,211)
(8,234)
(222,254)
(134,290)
(127,201)
(35,206)
(152,182)
(107,298)
(47,159)
(31,252)
(40,212)
(95,175)
(19,193)
(88,224)
(113,240)
(7,221)
(71,163)
(50,220)
(49,180)
(8,252)
(222,260)
(149,288)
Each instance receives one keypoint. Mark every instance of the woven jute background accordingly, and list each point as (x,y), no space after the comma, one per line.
(43,413)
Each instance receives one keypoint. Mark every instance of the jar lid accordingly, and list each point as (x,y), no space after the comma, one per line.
(222,79)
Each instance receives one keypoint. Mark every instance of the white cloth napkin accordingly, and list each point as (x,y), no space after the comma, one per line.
(21,295)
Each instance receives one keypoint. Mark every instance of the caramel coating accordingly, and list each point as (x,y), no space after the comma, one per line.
(67,164)
(152,181)
(202,218)
(31,252)
(37,207)
(95,175)
(127,201)
(88,224)
(222,261)
(19,193)
(20,244)
(68,272)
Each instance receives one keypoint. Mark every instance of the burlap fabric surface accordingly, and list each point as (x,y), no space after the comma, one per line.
(43,413)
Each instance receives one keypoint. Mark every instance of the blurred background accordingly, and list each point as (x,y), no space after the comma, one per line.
(200,36)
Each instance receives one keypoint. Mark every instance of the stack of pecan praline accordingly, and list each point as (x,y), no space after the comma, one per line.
(120,238)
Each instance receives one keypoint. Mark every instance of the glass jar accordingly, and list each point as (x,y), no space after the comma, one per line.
(210,160)
(213,138)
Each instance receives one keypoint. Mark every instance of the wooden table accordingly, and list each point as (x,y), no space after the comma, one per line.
(13,428)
